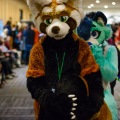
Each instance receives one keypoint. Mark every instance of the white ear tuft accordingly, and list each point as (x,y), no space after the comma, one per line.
(36,6)
(81,13)
(78,5)
(61,1)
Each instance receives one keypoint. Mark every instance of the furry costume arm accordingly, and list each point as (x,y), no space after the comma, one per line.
(86,59)
(91,73)
(107,61)
(35,73)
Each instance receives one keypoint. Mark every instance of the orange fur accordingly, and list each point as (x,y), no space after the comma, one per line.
(56,14)
(37,68)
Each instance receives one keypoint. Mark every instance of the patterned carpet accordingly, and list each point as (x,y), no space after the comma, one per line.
(16,102)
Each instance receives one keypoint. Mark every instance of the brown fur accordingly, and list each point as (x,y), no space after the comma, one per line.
(36,65)
(72,23)
(55,30)
(43,27)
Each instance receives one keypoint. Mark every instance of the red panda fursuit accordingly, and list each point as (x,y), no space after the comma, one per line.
(63,77)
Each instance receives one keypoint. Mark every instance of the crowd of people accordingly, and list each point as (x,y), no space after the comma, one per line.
(16,42)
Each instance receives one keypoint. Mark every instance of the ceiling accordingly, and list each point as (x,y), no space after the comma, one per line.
(101,5)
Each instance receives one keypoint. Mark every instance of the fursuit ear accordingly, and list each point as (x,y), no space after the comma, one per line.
(35,7)
(78,5)
(84,28)
(108,32)
(100,18)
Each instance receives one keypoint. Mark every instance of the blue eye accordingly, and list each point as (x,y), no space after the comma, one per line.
(95,34)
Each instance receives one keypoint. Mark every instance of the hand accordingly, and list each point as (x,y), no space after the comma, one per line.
(73,106)
(97,51)
(61,105)
(67,106)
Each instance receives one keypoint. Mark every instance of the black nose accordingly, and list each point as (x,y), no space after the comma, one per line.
(55,30)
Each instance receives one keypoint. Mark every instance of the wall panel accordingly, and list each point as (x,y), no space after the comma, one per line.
(10,10)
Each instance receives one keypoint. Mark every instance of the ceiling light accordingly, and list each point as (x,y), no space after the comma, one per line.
(113,3)
(97,1)
(106,6)
(92,5)
(89,7)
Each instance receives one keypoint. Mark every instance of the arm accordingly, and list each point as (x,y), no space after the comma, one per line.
(36,74)
(107,61)
(36,86)
(91,73)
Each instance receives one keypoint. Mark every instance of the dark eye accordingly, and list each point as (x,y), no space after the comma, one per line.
(48,21)
(95,34)
(63,18)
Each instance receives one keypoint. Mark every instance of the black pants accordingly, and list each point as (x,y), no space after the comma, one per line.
(6,67)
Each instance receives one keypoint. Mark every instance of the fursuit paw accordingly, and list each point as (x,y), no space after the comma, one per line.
(72,113)
(62,105)
(97,51)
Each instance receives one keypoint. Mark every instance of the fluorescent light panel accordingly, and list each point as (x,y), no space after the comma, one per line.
(97,1)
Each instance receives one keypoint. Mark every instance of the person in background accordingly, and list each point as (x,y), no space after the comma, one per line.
(112,42)
(22,44)
(4,34)
(14,32)
(8,26)
(9,34)
(117,34)
(29,35)
(7,72)
(36,38)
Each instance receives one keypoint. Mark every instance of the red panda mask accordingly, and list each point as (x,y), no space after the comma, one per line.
(56,17)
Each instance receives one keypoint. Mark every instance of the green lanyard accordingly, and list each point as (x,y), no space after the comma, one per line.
(60,68)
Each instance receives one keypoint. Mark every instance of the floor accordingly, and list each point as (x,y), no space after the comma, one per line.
(16,102)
